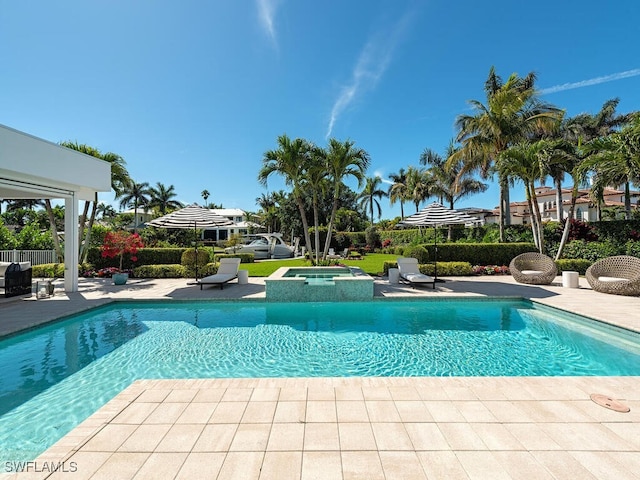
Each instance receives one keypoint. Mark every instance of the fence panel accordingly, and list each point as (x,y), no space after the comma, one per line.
(36,257)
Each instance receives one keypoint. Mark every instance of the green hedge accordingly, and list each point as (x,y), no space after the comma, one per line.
(445,269)
(579,265)
(160,271)
(244,257)
(146,256)
(479,253)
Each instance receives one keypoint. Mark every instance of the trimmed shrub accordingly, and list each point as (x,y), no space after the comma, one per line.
(579,265)
(160,271)
(479,253)
(592,251)
(188,258)
(444,268)
(244,257)
(145,256)
(56,270)
(416,251)
(633,248)
(372,237)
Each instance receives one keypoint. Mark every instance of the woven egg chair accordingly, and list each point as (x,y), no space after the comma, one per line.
(533,268)
(618,275)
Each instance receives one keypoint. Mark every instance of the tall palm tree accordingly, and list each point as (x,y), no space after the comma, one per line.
(419,186)
(136,195)
(119,179)
(105,210)
(205,196)
(342,160)
(368,198)
(398,191)
(448,179)
(523,161)
(436,165)
(616,160)
(512,113)
(315,182)
(163,198)
(289,160)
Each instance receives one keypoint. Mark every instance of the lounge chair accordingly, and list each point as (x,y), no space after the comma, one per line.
(619,275)
(332,255)
(227,271)
(409,272)
(533,268)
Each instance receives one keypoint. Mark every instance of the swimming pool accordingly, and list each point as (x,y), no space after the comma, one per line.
(56,376)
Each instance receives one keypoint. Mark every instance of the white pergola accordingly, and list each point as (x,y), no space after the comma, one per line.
(34,168)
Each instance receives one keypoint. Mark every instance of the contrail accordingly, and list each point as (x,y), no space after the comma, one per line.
(593,81)
(371,65)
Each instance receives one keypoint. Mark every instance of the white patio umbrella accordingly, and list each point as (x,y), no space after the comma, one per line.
(436,215)
(192,216)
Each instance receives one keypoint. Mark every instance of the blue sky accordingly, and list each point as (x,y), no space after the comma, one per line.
(192,93)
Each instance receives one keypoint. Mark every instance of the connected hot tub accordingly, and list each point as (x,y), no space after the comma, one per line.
(318,284)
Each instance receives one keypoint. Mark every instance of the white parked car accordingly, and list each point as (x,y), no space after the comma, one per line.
(264,246)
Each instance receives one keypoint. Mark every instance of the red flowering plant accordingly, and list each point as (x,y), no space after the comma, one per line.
(117,244)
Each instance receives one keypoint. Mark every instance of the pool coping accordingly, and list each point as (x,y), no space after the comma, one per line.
(564,460)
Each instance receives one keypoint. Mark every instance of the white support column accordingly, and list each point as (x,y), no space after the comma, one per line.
(71,247)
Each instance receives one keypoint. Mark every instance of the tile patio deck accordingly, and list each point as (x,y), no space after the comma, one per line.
(464,427)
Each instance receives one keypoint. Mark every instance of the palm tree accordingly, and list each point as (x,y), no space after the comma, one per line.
(136,195)
(289,160)
(523,161)
(512,113)
(419,186)
(342,161)
(436,169)
(616,160)
(105,210)
(398,191)
(369,195)
(205,196)
(163,198)
(119,179)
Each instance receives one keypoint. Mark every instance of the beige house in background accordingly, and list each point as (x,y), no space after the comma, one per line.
(585,210)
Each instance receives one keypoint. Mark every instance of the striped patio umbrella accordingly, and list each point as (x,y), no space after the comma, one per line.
(436,215)
(192,216)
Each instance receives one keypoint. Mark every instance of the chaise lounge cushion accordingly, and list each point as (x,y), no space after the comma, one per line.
(409,272)
(227,271)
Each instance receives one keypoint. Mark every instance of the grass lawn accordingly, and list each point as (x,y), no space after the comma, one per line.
(371,263)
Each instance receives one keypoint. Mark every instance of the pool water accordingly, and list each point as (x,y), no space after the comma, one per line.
(56,376)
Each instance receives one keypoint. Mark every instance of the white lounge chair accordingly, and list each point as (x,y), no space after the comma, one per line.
(409,272)
(227,271)
(332,255)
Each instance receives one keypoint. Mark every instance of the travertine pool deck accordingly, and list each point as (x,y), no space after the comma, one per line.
(387,428)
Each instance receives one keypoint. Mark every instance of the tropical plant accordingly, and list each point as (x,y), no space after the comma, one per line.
(289,160)
(135,195)
(615,160)
(342,160)
(450,182)
(163,198)
(368,198)
(419,185)
(511,114)
(398,191)
(205,195)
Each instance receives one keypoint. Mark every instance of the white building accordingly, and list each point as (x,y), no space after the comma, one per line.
(242,225)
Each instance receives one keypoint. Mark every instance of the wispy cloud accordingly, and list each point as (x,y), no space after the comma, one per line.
(267,13)
(592,81)
(371,65)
